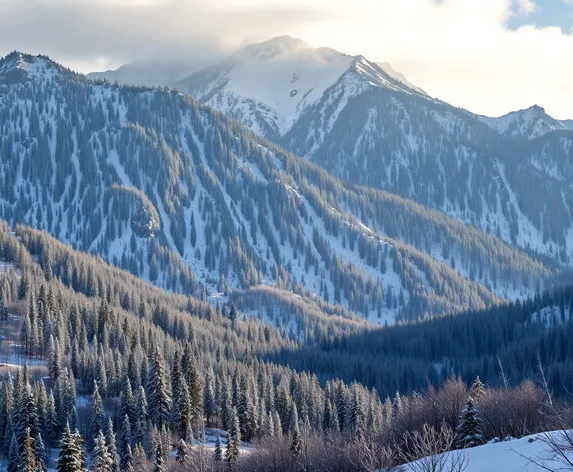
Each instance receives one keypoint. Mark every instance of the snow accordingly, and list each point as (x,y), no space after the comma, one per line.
(283,76)
(273,83)
(531,123)
(515,455)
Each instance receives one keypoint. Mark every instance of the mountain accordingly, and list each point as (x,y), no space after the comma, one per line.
(530,123)
(269,85)
(194,202)
(152,73)
(387,67)
(364,126)
(568,124)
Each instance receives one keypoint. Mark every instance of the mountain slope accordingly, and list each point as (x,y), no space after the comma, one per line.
(530,123)
(366,127)
(196,203)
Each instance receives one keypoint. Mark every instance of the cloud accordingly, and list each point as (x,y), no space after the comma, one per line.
(525,6)
(459,50)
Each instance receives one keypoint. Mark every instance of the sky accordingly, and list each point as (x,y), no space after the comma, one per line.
(488,56)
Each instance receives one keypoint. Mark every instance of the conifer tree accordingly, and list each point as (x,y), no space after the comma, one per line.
(14,455)
(125,443)
(233,439)
(159,459)
(182,453)
(218,451)
(70,456)
(477,389)
(112,446)
(40,454)
(159,398)
(296,440)
(27,458)
(97,411)
(469,433)
(139,458)
(101,460)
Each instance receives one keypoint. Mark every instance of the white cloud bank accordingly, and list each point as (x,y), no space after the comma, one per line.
(458,50)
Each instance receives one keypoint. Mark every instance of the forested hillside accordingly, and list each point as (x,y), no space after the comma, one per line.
(194,202)
(107,369)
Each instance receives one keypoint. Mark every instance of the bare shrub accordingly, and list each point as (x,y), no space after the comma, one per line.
(429,450)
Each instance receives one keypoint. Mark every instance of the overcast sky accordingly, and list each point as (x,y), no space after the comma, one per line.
(490,56)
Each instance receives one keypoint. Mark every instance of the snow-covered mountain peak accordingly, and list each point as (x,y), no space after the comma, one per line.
(19,67)
(269,85)
(279,47)
(530,123)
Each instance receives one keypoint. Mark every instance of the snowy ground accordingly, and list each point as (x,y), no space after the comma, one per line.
(528,454)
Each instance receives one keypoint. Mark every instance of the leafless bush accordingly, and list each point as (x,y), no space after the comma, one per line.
(513,412)
(429,450)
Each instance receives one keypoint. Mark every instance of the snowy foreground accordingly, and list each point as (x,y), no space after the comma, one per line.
(517,455)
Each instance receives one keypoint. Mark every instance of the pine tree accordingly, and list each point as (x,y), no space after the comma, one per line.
(159,459)
(101,460)
(125,444)
(233,439)
(183,410)
(26,415)
(233,316)
(13,456)
(40,454)
(469,432)
(139,458)
(97,411)
(79,442)
(70,457)
(182,453)
(112,446)
(218,451)
(159,399)
(296,440)
(27,458)
(477,389)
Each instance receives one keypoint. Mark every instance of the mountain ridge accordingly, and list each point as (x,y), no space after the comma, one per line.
(235,211)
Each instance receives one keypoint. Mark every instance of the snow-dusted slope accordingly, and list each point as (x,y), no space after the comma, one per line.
(528,454)
(365,123)
(567,123)
(267,86)
(387,67)
(530,123)
(188,199)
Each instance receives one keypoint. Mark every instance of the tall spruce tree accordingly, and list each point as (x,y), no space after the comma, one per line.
(101,460)
(70,455)
(469,432)
(159,396)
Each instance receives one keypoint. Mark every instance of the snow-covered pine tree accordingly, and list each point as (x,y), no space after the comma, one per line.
(218,451)
(101,460)
(296,440)
(159,460)
(469,433)
(125,443)
(182,452)
(40,454)
(27,458)
(13,455)
(159,396)
(477,389)
(112,446)
(70,456)
(139,458)
(97,411)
